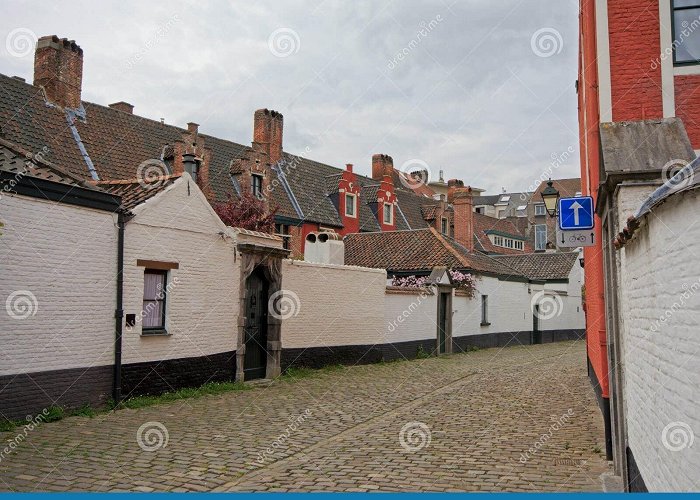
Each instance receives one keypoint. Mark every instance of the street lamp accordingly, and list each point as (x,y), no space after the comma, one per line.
(550,197)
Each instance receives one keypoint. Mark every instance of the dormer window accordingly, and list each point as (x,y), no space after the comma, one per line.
(350,205)
(256,185)
(388,214)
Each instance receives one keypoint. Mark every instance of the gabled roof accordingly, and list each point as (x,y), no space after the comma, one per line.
(116,144)
(22,163)
(541,266)
(484,225)
(566,187)
(133,192)
(416,251)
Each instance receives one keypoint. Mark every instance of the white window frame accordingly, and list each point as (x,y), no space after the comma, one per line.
(541,206)
(353,198)
(257,193)
(391,213)
(540,245)
(484,310)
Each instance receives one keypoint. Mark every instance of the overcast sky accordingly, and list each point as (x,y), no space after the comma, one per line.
(483,89)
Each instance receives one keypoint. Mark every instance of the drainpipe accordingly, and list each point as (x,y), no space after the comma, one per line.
(119,312)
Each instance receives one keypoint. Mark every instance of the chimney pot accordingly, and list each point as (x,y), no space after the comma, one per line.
(122,106)
(382,165)
(192,127)
(189,163)
(348,167)
(58,67)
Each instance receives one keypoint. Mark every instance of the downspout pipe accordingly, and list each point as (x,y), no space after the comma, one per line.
(119,311)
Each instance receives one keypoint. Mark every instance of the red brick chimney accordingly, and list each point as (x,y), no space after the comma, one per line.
(267,133)
(463,203)
(122,106)
(452,184)
(58,67)
(382,165)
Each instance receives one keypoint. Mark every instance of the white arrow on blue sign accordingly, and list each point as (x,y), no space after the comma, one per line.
(576,213)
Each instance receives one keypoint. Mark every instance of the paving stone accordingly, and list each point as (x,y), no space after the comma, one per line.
(466,420)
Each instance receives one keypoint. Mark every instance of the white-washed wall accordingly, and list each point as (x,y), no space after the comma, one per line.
(409,315)
(202,304)
(508,308)
(660,278)
(335,305)
(65,257)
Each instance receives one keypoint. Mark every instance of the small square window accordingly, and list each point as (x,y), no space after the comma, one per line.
(686,38)
(540,209)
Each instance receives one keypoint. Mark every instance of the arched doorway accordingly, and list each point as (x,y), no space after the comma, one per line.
(255,334)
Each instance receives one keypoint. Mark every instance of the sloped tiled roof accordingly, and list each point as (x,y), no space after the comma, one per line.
(133,192)
(541,266)
(21,163)
(566,187)
(483,224)
(416,250)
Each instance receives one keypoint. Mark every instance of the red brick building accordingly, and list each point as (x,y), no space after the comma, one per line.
(638,60)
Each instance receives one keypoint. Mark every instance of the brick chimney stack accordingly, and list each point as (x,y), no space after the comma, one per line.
(453,184)
(267,132)
(463,204)
(58,67)
(382,165)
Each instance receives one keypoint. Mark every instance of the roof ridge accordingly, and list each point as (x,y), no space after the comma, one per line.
(449,246)
(136,181)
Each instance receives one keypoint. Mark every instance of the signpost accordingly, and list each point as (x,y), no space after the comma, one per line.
(576,221)
(576,213)
(577,238)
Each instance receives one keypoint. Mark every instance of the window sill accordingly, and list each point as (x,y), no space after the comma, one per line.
(485,323)
(155,333)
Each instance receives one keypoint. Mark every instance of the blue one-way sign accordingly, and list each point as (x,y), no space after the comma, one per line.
(576,213)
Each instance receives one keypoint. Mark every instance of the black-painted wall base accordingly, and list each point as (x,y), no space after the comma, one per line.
(156,377)
(604,405)
(317,357)
(31,393)
(635,481)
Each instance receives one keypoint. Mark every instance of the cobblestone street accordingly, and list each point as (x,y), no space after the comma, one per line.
(518,418)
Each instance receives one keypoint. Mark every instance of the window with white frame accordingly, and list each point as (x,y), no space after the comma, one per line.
(256,185)
(154,295)
(350,205)
(540,209)
(388,213)
(502,241)
(540,236)
(444,227)
(485,310)
(685,22)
